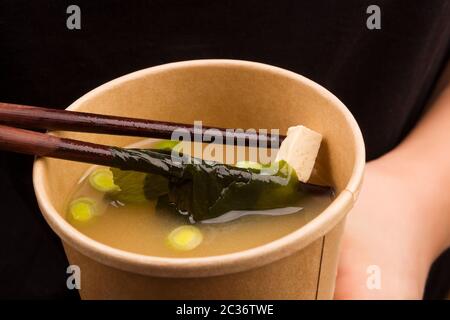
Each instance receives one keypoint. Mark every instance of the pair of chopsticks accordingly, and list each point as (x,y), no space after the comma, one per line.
(15,119)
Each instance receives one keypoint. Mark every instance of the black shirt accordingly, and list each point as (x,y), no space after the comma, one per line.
(384,76)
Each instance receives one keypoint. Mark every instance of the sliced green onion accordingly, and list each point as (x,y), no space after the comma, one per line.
(165,144)
(249,165)
(82,209)
(102,179)
(270,169)
(184,238)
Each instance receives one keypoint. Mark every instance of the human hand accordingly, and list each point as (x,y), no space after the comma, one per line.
(387,229)
(401,222)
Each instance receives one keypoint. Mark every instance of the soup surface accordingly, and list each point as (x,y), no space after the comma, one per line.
(144,228)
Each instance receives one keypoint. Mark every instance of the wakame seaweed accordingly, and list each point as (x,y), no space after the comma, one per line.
(204,189)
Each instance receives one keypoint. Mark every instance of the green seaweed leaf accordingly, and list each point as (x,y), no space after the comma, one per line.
(204,189)
(138,187)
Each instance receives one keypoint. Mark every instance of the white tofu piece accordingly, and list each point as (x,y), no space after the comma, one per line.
(299,150)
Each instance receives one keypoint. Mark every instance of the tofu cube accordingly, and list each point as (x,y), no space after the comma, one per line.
(299,150)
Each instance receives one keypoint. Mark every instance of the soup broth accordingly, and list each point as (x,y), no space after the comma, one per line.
(144,228)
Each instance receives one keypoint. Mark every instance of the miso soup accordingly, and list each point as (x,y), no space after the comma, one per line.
(150,227)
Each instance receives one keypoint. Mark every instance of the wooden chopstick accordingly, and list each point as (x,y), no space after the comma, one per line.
(42,144)
(52,119)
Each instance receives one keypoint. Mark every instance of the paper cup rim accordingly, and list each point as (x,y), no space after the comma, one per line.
(210,265)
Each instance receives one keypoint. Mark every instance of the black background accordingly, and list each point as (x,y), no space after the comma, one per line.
(383,76)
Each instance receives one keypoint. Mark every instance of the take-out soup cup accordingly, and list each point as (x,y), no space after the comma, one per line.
(223,93)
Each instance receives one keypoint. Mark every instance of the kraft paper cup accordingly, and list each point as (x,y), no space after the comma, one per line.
(224,93)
